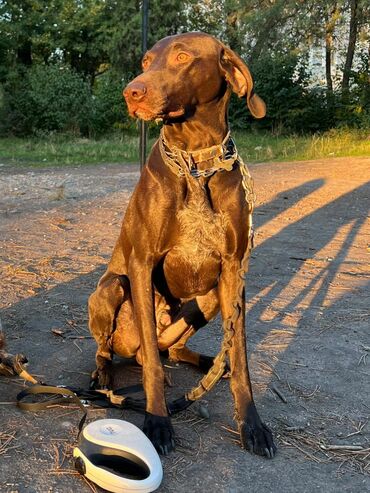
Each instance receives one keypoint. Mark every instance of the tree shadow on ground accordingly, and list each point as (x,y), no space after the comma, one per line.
(276,263)
(320,242)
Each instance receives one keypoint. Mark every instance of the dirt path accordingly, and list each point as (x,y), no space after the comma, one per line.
(308,329)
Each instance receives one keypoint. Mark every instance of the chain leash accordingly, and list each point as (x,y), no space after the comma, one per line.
(219,363)
(182,164)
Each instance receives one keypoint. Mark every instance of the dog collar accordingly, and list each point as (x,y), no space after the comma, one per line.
(222,156)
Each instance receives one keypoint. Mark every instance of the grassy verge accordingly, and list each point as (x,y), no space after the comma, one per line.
(63,151)
(335,143)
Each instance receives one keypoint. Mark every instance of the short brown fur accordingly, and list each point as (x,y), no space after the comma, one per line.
(175,263)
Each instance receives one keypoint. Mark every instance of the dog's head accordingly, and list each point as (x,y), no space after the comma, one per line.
(186,70)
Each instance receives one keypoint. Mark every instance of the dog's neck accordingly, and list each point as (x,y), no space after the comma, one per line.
(206,127)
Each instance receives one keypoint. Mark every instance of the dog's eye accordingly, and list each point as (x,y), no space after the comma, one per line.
(182,57)
(145,63)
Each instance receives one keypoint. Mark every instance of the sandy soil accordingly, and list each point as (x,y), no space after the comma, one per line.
(308,329)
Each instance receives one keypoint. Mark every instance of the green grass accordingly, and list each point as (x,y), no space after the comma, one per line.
(261,147)
(64,151)
(335,143)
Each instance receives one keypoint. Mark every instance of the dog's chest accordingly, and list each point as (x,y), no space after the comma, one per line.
(193,264)
(201,231)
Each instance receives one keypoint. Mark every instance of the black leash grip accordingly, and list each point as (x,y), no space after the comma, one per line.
(179,405)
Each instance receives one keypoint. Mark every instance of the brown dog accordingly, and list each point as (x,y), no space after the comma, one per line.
(185,231)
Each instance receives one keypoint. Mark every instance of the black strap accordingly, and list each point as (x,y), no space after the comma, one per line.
(99,398)
(179,405)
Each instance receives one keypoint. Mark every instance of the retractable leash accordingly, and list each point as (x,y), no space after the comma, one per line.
(118,456)
(112,453)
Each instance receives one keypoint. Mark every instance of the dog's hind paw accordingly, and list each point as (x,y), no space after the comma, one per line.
(160,432)
(257,438)
(100,379)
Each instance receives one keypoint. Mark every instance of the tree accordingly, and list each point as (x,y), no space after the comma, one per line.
(65,31)
(24,30)
(353,26)
(123,29)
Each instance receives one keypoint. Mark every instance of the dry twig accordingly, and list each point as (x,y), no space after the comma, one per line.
(279,393)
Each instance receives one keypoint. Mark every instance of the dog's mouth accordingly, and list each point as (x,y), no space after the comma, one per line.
(147,114)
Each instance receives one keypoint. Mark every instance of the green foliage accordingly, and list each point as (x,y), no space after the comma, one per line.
(81,36)
(46,99)
(109,108)
(63,63)
(353,109)
(282,81)
(123,21)
(42,31)
(293,105)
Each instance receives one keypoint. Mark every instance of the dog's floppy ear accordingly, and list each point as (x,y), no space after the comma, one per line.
(240,79)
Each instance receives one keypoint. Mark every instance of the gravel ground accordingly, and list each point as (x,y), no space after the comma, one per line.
(308,329)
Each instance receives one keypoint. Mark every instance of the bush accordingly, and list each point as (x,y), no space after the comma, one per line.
(353,109)
(109,108)
(294,106)
(54,98)
(282,81)
(46,99)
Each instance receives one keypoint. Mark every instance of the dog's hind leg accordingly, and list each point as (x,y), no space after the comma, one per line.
(104,306)
(192,316)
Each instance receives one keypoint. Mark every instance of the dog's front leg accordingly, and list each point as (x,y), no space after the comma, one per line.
(157,424)
(254,434)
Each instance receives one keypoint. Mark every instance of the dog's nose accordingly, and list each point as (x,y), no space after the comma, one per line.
(135,91)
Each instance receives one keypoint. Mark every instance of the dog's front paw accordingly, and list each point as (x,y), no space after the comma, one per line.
(257,438)
(255,435)
(160,432)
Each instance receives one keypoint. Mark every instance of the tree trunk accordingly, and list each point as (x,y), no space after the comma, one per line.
(262,38)
(353,25)
(328,56)
(232,32)
(331,19)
